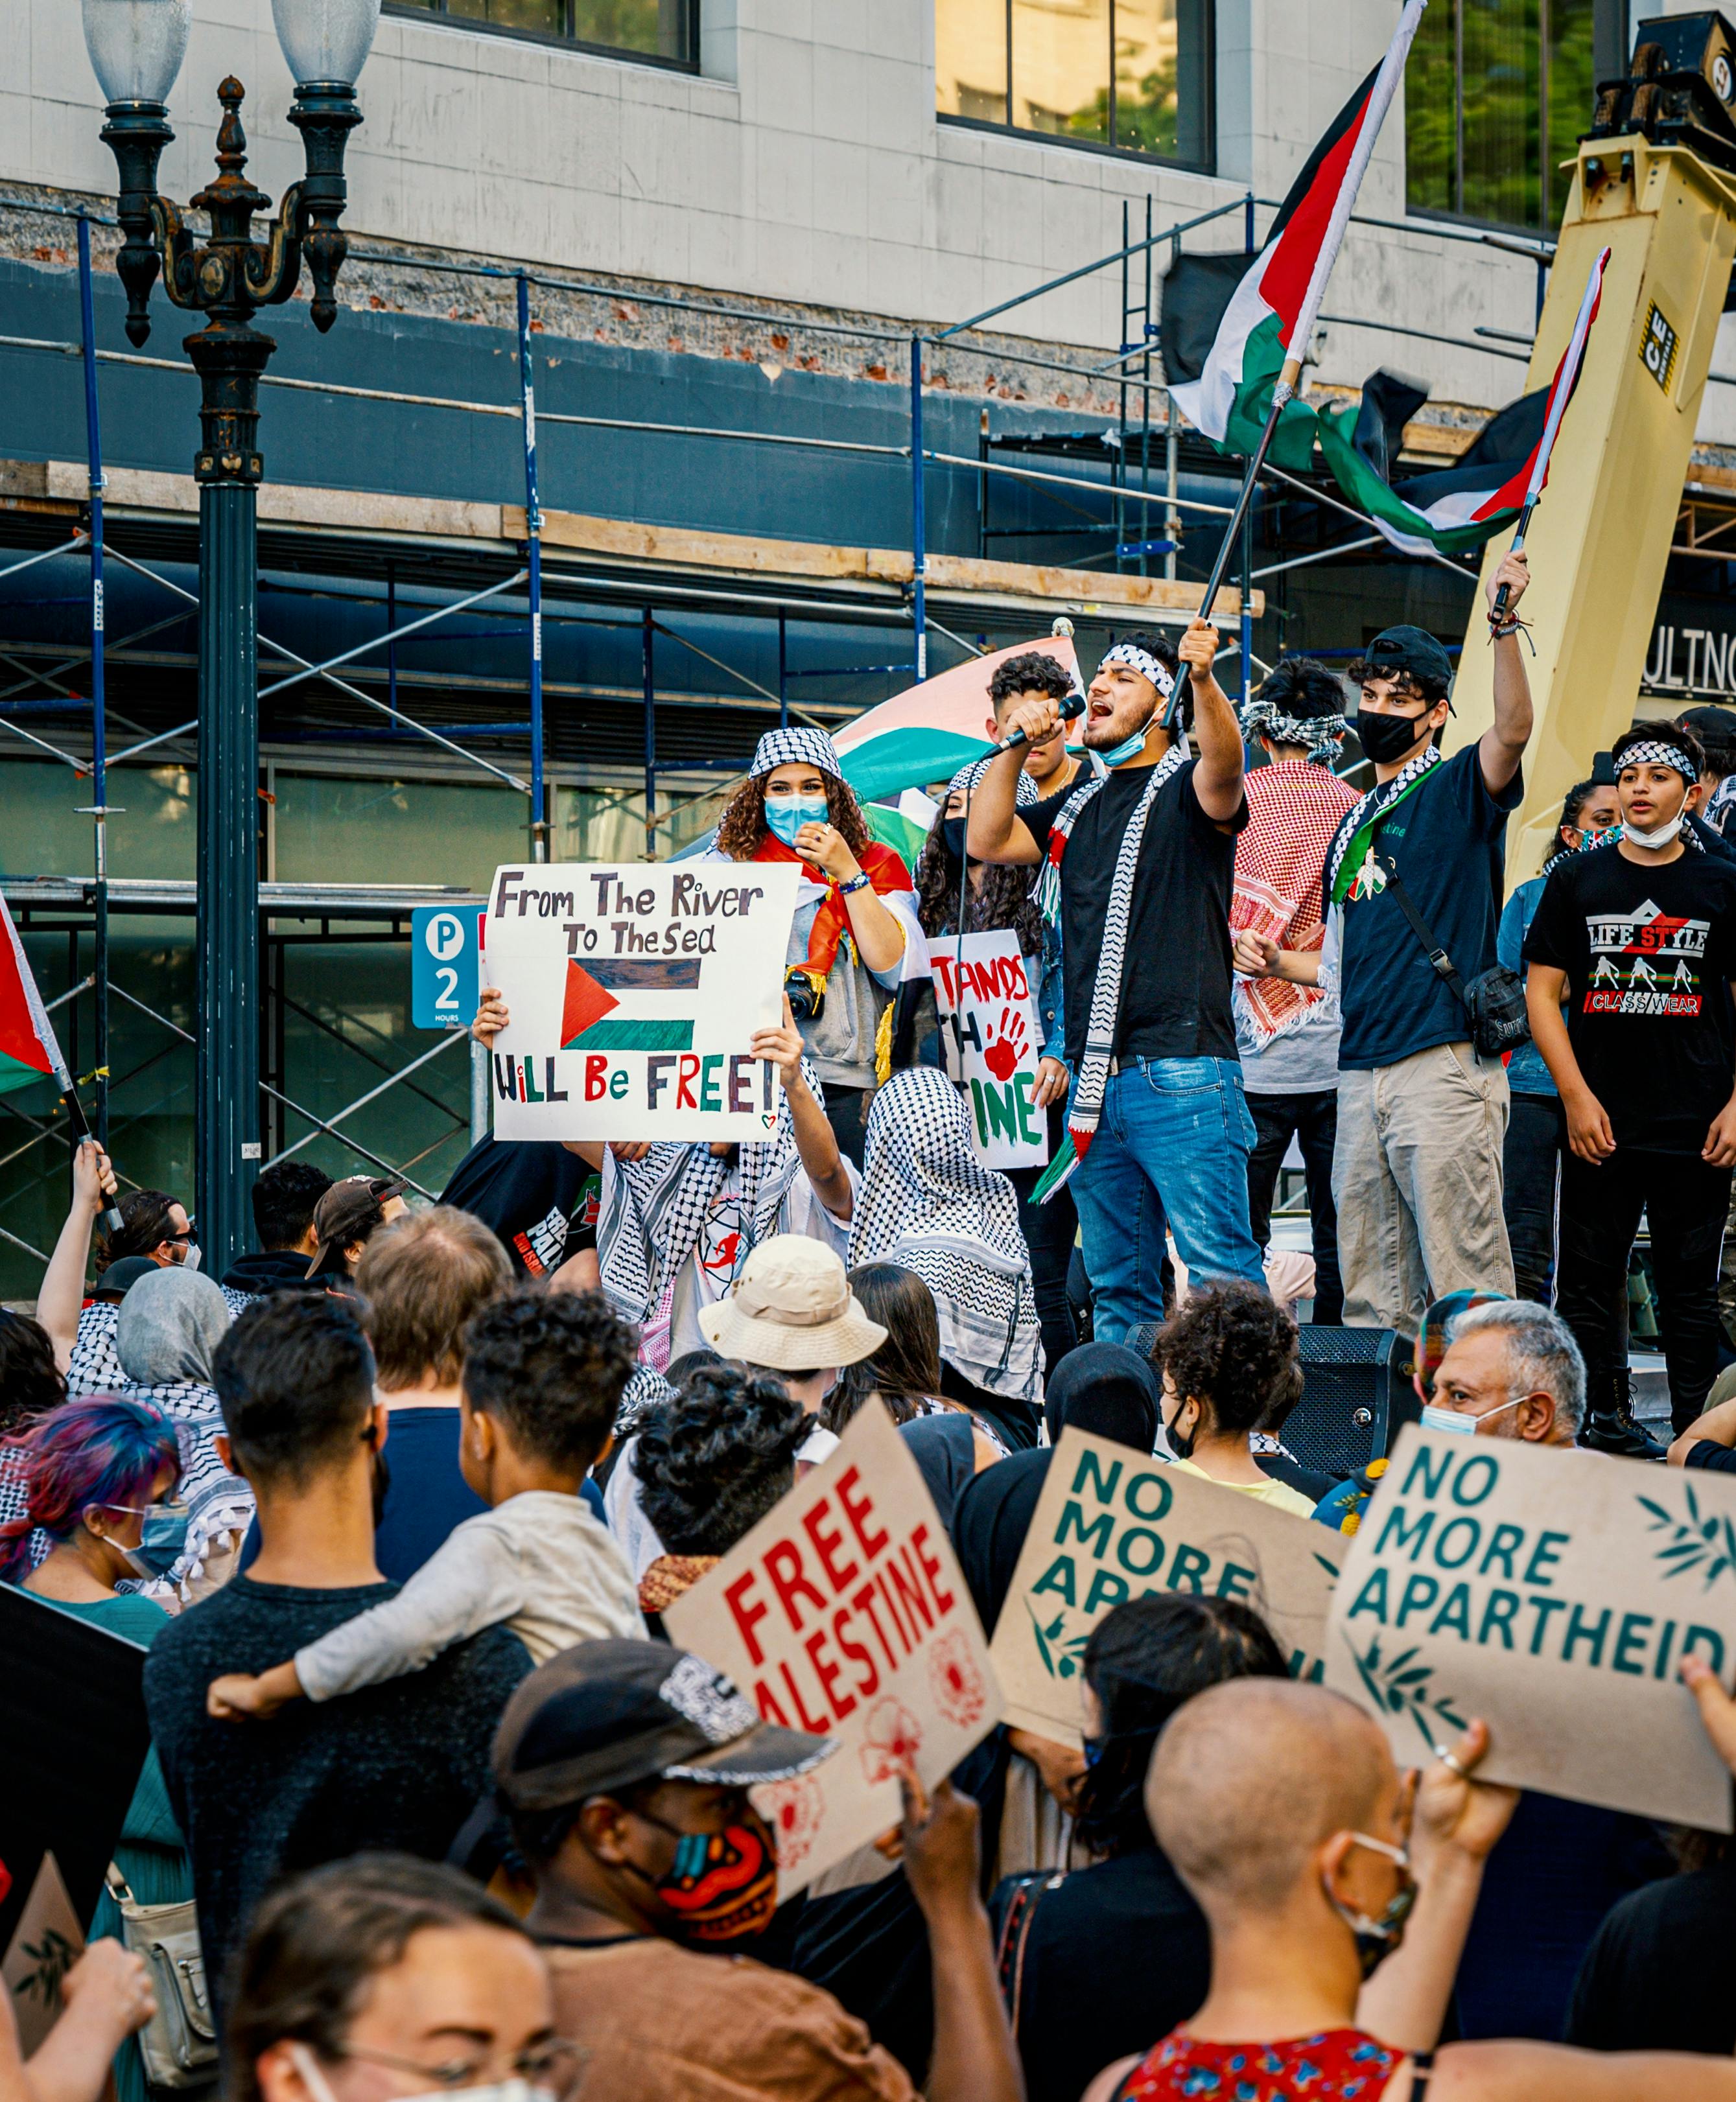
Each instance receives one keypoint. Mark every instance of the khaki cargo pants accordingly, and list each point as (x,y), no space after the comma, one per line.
(1416,1176)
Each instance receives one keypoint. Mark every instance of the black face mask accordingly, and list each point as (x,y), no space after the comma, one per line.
(953,831)
(1386,737)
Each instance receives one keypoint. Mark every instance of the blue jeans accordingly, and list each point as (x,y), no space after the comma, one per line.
(1173,1141)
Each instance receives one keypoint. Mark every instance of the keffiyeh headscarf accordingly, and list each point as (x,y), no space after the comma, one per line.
(653,1211)
(928,1204)
(1324,735)
(796,746)
(1654,751)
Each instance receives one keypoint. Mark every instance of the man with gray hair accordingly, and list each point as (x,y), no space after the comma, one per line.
(1511,1370)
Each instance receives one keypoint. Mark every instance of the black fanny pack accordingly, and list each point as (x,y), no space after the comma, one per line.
(1494,1004)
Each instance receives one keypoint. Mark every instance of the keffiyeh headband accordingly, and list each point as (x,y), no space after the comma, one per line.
(1653,752)
(1324,735)
(1143,661)
(971,777)
(796,747)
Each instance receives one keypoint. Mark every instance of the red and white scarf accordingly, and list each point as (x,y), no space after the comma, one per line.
(1294,808)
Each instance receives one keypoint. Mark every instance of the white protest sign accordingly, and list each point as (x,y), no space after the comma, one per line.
(1111,1525)
(843,1613)
(1553,1593)
(993,1053)
(634,991)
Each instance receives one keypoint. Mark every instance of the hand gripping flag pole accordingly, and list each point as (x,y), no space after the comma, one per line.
(29,1049)
(1277,305)
(1560,393)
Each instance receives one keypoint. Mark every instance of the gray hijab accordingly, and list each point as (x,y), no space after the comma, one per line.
(170,1325)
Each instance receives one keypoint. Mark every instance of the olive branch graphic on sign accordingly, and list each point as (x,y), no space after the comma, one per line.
(1399,1686)
(1707,1543)
(1062,1653)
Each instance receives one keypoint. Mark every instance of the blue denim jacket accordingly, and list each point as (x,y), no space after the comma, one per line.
(1526,1073)
(1051,1018)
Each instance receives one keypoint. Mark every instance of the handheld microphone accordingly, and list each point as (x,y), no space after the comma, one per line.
(1071,708)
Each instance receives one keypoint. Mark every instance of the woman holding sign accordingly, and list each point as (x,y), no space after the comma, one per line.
(999,900)
(855,910)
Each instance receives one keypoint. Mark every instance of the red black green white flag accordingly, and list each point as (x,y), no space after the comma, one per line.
(28,1049)
(1272,313)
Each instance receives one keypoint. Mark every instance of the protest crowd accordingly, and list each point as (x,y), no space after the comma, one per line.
(572,1611)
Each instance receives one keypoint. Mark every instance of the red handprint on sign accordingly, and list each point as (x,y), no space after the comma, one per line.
(1003,1054)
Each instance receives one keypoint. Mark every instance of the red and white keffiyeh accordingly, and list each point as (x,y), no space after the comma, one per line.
(1294,808)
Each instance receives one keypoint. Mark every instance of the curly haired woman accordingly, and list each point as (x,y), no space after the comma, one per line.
(1230,1369)
(855,910)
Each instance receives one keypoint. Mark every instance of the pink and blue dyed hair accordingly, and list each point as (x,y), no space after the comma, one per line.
(98,1450)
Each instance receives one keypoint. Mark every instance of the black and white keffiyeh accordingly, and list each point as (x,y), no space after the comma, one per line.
(1143,661)
(1655,752)
(94,1366)
(1360,820)
(1112,957)
(653,1211)
(1323,735)
(928,1204)
(796,746)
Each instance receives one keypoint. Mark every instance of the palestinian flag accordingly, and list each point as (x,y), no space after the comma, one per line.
(928,731)
(28,1049)
(1270,314)
(1505,469)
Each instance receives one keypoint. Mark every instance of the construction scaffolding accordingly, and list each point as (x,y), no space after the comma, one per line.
(527,573)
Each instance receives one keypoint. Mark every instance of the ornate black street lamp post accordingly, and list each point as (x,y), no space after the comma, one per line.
(136,47)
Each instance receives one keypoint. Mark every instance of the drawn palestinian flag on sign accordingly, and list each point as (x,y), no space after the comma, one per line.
(28,1049)
(1232,398)
(597,989)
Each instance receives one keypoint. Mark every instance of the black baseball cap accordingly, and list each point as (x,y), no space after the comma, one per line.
(120,1277)
(1396,650)
(607,1715)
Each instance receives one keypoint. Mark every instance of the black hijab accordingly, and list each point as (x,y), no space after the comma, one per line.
(989,1527)
(1107,1389)
(944,1447)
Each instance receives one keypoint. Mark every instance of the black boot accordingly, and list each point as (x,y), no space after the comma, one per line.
(1613,1428)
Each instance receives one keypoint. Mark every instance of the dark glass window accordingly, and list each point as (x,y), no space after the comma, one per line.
(1496,93)
(1133,75)
(665,32)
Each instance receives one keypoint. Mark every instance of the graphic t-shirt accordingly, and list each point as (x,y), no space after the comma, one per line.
(1447,840)
(1175,985)
(1649,954)
(528,1191)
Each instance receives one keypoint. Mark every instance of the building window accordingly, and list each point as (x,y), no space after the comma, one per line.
(1496,94)
(1133,75)
(659,31)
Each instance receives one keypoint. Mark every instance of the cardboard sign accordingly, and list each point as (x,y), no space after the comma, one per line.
(1553,1593)
(994,1052)
(843,1613)
(634,991)
(47,1941)
(69,1759)
(1111,1525)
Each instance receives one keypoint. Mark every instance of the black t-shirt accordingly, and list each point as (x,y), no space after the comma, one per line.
(1649,953)
(1175,984)
(526,1191)
(1447,840)
(397,1766)
(1657,1976)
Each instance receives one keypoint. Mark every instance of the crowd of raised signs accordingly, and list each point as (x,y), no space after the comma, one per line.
(685,1621)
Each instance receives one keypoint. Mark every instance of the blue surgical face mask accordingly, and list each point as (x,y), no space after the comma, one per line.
(1129,747)
(785,815)
(161,1540)
(1435,1419)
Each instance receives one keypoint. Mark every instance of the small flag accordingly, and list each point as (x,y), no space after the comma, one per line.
(28,1049)
(1507,468)
(1270,315)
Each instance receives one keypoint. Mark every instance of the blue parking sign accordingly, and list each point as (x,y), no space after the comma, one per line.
(445,978)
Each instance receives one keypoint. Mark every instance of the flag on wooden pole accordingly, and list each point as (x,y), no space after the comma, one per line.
(1264,335)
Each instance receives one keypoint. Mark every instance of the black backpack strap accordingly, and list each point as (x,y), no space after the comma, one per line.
(1446,969)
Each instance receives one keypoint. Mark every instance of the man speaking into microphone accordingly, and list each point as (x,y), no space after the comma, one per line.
(1137,864)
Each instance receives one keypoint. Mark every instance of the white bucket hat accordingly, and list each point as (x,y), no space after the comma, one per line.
(791,1310)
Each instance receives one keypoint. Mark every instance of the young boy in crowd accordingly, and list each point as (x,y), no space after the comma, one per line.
(542,1378)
